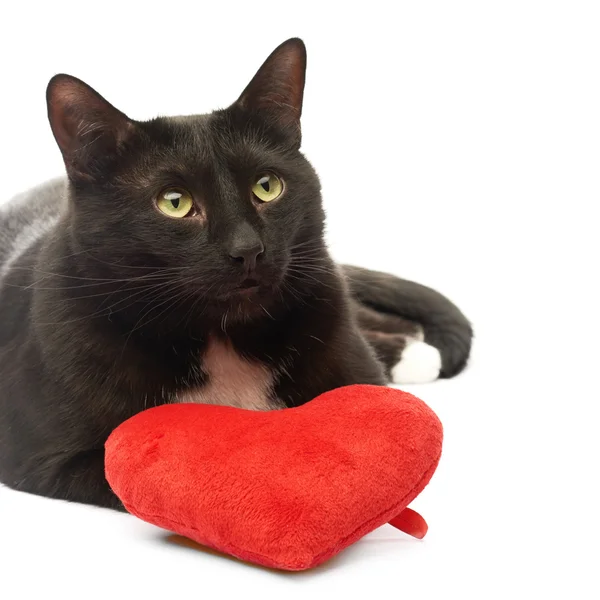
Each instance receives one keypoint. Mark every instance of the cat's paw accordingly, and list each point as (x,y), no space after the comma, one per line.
(419,363)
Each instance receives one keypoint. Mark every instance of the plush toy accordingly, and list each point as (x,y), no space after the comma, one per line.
(287,489)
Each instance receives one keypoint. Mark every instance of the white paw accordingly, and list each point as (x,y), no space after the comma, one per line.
(419,363)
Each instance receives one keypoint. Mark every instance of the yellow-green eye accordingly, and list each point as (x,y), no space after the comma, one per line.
(175,202)
(267,187)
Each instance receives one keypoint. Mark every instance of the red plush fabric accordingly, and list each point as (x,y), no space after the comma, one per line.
(286,489)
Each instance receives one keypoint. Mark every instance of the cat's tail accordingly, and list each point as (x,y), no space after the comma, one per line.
(444,325)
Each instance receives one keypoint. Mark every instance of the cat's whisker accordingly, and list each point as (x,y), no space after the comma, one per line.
(140,322)
(309,242)
(308,252)
(300,275)
(190,311)
(122,266)
(147,290)
(290,288)
(310,269)
(177,300)
(161,291)
(100,279)
(267,312)
(34,286)
(145,285)
(109,310)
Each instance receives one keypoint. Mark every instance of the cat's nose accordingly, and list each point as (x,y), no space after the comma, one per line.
(247,255)
(246,247)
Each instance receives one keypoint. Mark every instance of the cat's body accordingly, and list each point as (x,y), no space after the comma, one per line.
(109,307)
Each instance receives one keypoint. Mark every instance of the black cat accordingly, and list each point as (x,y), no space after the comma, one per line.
(183,260)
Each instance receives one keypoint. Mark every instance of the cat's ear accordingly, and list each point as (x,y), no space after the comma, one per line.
(278,87)
(87,128)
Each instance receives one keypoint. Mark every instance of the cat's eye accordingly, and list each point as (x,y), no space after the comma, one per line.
(267,187)
(175,202)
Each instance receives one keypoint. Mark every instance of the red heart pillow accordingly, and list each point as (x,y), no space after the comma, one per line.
(286,489)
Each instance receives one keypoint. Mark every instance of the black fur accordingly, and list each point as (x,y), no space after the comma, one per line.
(444,325)
(109,312)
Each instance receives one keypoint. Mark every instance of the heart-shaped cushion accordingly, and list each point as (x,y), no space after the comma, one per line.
(286,489)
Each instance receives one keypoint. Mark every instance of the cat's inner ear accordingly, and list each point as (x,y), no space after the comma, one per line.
(278,87)
(84,124)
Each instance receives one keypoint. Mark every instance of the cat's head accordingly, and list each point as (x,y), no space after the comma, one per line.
(218,203)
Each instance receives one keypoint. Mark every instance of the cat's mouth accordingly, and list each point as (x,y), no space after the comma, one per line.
(249,283)
(248,287)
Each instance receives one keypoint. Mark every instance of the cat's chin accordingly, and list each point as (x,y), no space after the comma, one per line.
(246,301)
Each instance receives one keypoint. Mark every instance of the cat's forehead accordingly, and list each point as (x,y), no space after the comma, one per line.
(214,147)
(184,134)
(189,121)
(214,138)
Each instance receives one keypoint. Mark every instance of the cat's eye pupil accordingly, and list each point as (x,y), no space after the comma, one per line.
(267,187)
(176,202)
(174,198)
(264,183)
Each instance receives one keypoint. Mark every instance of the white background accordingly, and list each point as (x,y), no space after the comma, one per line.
(459,145)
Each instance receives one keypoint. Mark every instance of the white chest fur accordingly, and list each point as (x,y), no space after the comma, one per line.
(233,381)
